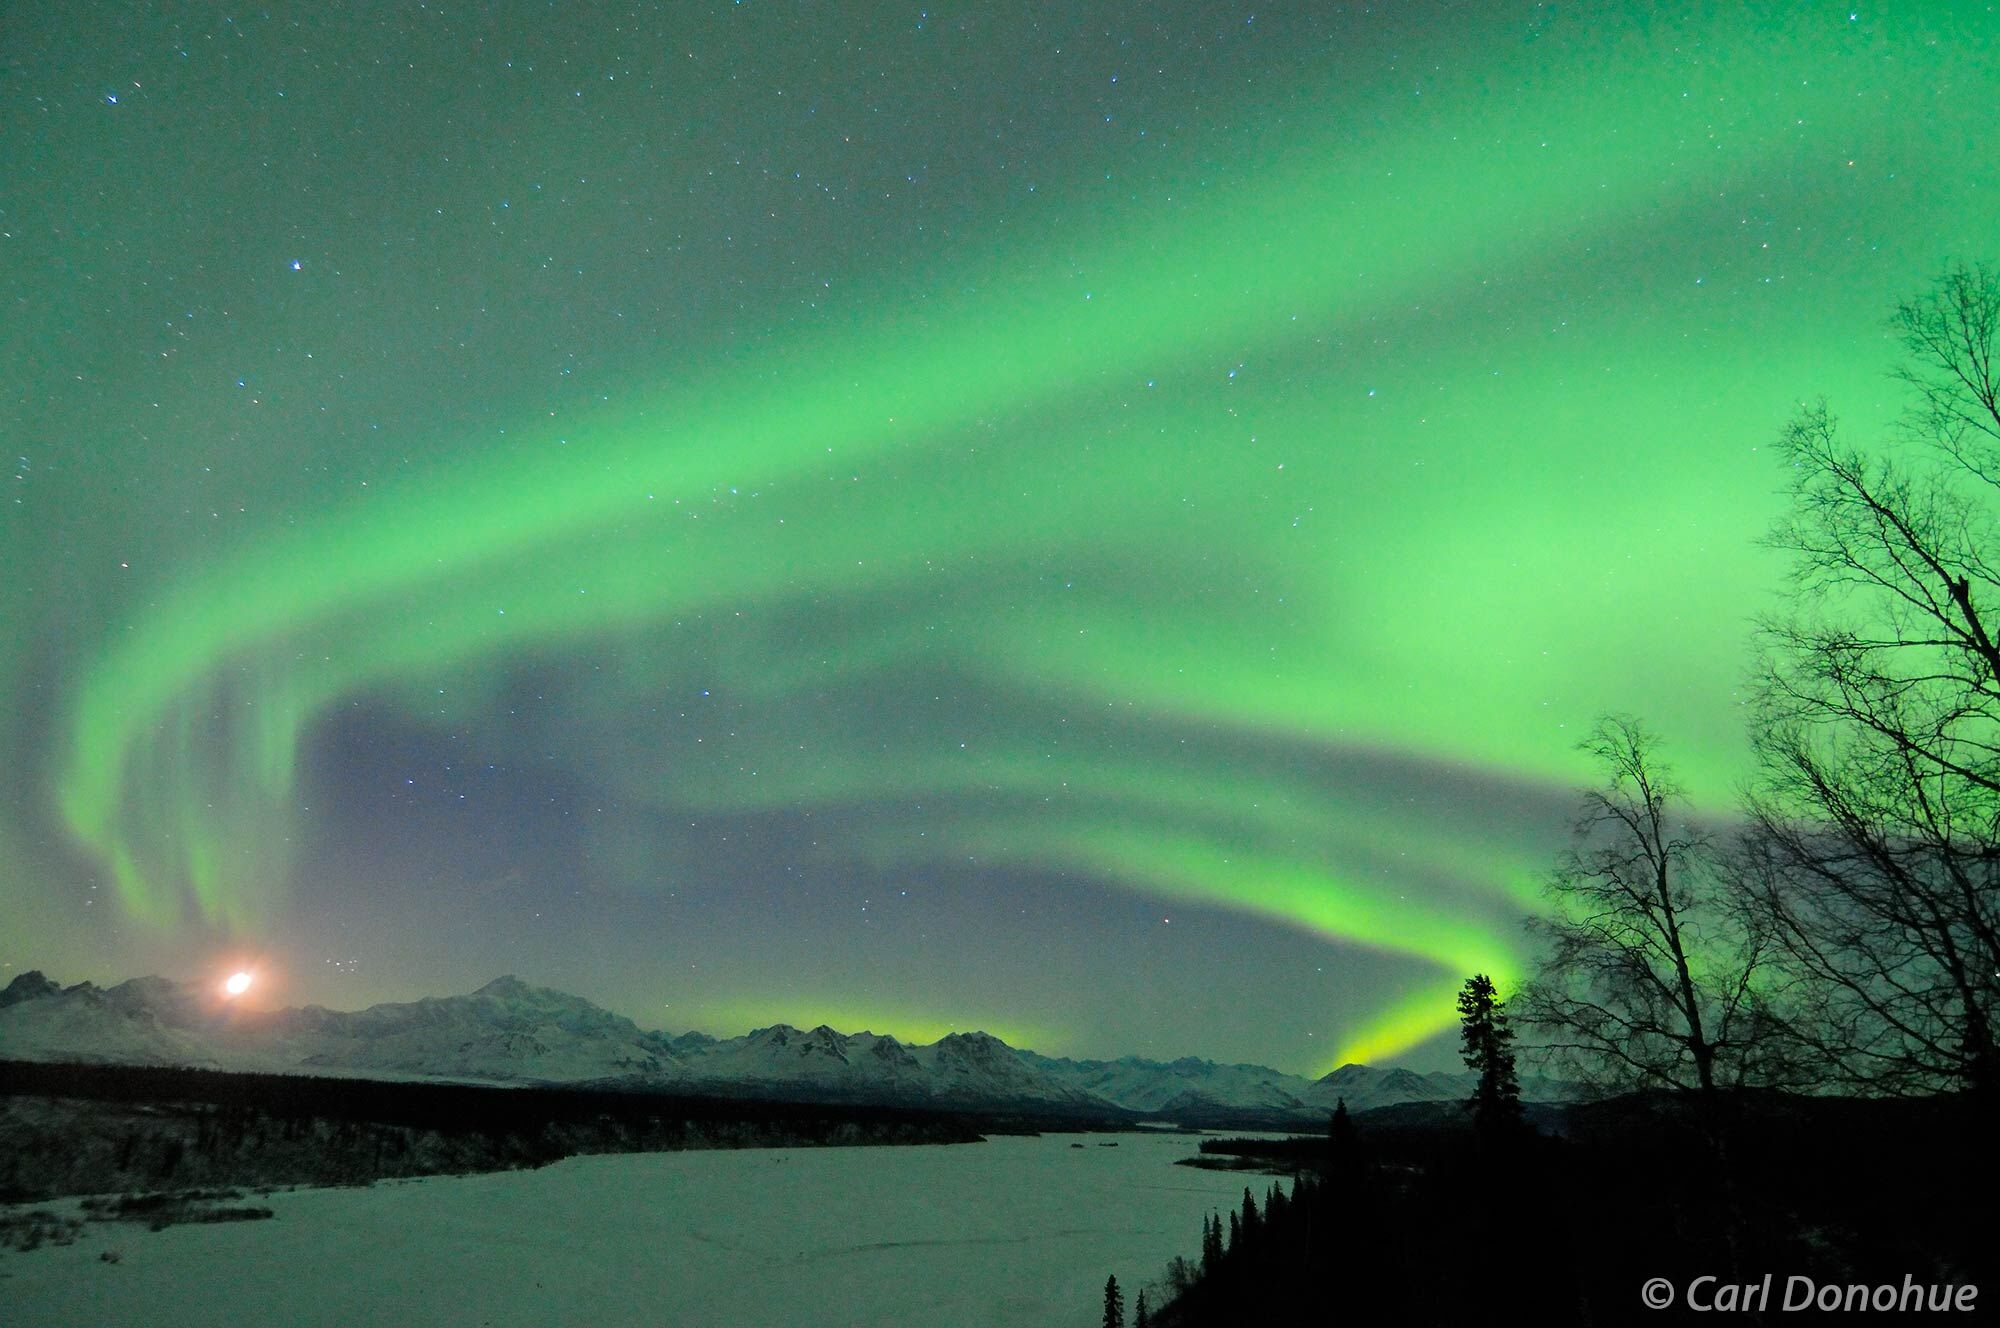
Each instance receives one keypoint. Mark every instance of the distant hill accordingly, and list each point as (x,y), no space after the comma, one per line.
(511,1032)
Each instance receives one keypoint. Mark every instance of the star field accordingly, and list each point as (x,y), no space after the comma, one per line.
(1100,524)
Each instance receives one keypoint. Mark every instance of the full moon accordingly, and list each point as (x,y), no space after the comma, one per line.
(237,984)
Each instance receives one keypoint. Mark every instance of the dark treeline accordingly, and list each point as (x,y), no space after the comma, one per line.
(70,1129)
(1439,1224)
(425,1104)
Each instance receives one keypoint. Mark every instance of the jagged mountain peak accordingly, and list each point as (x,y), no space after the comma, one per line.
(512,1030)
(973,1049)
(508,1000)
(155,997)
(507,987)
(148,989)
(978,1038)
(888,1050)
(29,986)
(822,1041)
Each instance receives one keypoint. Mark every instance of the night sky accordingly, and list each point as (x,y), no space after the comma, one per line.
(1098,522)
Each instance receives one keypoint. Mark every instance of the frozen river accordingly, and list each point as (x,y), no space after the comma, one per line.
(1009,1232)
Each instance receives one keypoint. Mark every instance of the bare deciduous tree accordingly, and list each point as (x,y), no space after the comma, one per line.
(1652,971)
(1878,730)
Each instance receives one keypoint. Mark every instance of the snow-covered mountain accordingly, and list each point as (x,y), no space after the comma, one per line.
(507,1030)
(511,1032)
(958,1069)
(134,1023)
(1163,1087)
(972,1066)
(1364,1086)
(27,987)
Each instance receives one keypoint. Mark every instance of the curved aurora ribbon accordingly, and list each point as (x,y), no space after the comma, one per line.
(1011,487)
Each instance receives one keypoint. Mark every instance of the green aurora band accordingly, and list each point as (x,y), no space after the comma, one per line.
(1194,605)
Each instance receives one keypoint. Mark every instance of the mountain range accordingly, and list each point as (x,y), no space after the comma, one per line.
(511,1032)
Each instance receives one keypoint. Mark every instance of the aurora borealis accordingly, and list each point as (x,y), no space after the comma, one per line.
(1101,523)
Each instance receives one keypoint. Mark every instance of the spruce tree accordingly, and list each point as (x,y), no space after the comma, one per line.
(1140,1319)
(1487,1046)
(1343,1147)
(1114,1304)
(1340,1130)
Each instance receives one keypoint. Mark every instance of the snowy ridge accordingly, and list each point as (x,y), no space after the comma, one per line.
(958,1069)
(129,1024)
(505,1031)
(509,1031)
(1166,1086)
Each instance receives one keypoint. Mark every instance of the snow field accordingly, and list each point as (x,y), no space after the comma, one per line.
(1009,1232)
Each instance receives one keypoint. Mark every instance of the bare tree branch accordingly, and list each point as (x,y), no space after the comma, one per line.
(1878,725)
(1651,977)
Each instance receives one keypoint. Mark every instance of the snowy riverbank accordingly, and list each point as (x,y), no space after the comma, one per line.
(1016,1231)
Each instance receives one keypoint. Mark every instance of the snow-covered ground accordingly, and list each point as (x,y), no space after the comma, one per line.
(1009,1232)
